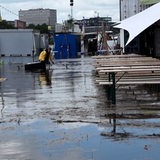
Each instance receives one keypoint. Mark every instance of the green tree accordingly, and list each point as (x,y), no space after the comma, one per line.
(42,28)
(31,26)
(6,25)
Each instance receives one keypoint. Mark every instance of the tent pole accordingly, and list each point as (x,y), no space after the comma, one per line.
(122,40)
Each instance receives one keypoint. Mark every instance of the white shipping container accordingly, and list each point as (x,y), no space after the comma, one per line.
(19,42)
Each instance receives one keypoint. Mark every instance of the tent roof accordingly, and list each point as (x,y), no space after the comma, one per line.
(139,22)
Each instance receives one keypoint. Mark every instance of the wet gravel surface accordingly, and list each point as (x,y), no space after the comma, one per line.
(62,114)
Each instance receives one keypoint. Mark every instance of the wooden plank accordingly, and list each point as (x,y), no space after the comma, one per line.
(117,56)
(132,75)
(127,67)
(122,57)
(129,61)
(129,70)
(140,74)
(151,78)
(125,63)
(131,82)
(128,64)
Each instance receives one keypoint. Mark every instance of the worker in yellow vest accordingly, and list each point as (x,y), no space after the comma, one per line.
(46,57)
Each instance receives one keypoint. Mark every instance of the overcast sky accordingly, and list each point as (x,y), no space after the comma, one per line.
(81,8)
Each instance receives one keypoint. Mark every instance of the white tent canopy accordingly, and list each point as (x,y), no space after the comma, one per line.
(139,22)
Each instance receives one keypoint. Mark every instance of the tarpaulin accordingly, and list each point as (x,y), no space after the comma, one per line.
(141,21)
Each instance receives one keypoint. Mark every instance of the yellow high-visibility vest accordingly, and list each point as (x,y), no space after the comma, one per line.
(42,56)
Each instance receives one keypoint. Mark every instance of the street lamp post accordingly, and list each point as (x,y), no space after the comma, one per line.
(71,4)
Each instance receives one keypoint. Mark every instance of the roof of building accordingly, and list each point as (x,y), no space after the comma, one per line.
(141,21)
(149,1)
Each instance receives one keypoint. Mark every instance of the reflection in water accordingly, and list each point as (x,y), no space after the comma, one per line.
(45,77)
(75,113)
(116,135)
(1,90)
(112,119)
(11,148)
(2,99)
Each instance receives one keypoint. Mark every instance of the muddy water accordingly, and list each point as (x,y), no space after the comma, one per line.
(62,114)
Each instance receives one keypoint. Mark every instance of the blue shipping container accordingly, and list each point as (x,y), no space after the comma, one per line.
(67,45)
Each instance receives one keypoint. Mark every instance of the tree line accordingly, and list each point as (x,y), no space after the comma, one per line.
(8,25)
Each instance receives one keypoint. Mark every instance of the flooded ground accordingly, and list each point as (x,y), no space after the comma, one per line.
(63,115)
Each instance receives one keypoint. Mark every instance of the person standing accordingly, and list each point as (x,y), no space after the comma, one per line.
(49,56)
(46,57)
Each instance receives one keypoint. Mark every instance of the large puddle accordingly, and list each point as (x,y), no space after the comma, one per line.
(63,115)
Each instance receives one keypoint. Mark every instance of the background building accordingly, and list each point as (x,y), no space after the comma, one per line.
(129,8)
(19,24)
(144,4)
(146,42)
(95,24)
(149,1)
(39,16)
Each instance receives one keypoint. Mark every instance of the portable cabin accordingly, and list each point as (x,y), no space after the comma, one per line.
(18,42)
(66,45)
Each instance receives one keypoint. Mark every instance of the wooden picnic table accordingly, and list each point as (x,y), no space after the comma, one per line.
(126,70)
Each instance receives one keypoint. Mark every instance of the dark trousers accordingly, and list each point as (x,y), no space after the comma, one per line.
(43,65)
